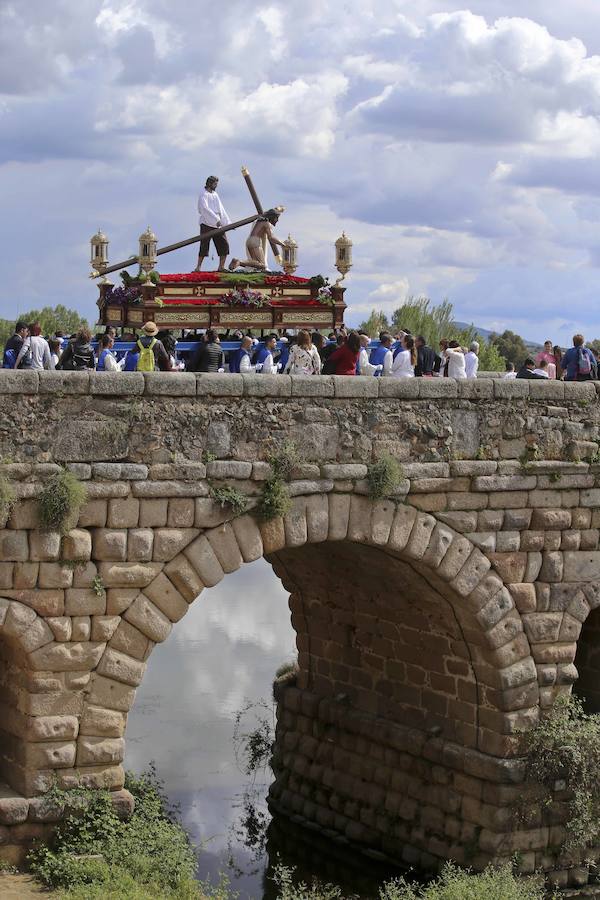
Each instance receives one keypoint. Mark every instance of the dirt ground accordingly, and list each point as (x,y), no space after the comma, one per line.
(20,887)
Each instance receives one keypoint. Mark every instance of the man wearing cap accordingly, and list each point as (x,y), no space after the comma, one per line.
(212,215)
(148,339)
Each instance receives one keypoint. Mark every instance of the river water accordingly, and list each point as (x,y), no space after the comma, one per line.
(219,659)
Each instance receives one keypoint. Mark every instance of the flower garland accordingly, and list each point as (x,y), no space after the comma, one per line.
(244,297)
(325,296)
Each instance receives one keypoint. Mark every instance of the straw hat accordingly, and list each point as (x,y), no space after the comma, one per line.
(150,328)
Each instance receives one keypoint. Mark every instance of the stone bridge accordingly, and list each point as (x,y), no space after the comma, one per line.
(432,626)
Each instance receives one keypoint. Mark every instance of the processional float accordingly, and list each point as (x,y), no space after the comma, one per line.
(261,300)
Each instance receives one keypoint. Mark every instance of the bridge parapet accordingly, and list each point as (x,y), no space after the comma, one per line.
(458,625)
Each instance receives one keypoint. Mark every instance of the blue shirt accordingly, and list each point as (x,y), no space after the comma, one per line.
(569,363)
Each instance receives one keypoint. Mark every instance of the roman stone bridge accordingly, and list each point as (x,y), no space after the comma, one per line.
(433,625)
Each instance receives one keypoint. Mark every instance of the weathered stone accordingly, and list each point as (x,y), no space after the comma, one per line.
(184,577)
(130,640)
(121,667)
(102,722)
(128,574)
(146,616)
(43,545)
(163,594)
(67,657)
(168,542)
(88,440)
(109,694)
(84,602)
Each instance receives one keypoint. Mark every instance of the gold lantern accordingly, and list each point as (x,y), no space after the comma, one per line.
(343,256)
(147,256)
(99,253)
(290,255)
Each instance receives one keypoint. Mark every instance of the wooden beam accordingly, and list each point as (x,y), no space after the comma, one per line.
(258,205)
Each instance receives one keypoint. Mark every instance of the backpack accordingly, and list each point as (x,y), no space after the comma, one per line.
(10,358)
(584,365)
(145,361)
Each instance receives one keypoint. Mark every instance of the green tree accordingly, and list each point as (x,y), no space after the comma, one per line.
(59,318)
(511,346)
(377,321)
(419,316)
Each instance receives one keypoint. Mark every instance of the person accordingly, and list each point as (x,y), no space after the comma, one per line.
(265,364)
(406,360)
(78,355)
(542,368)
(345,357)
(37,348)
(526,370)
(558,355)
(212,215)
(208,357)
(510,371)
(13,346)
(284,354)
(239,360)
(578,362)
(472,360)
(547,354)
(441,361)
(166,337)
(55,345)
(425,358)
(318,342)
(256,243)
(455,359)
(382,355)
(148,340)
(304,358)
(107,361)
(364,366)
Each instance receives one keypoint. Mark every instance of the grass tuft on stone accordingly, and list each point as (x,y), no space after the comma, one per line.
(384,477)
(230,496)
(60,502)
(275,500)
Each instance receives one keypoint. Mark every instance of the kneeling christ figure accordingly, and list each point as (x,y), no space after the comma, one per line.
(256,243)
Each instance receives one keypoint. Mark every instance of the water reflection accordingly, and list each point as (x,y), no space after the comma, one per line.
(223,654)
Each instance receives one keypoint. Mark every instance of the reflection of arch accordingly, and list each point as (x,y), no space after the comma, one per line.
(447,562)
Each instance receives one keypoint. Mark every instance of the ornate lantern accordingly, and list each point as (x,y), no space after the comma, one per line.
(99,253)
(343,256)
(290,255)
(147,256)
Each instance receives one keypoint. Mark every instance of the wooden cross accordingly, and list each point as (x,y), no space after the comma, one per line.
(259,208)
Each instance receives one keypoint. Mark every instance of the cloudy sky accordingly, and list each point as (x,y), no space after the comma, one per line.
(456,143)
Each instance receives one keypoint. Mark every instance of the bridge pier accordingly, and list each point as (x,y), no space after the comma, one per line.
(433,626)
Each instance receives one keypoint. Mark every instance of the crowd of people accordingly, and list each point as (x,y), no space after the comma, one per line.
(343,352)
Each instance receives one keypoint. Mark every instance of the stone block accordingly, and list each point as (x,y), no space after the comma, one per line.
(473,389)
(381,519)
(81,628)
(461,520)
(314,386)
(347,386)
(110,544)
(323,486)
(508,541)
(294,524)
(67,656)
(77,545)
(398,388)
(140,544)
(44,602)
(273,535)
(201,555)
(123,512)
(420,536)
(344,471)
(208,513)
(102,722)
(581,565)
(117,384)
(52,382)
(228,469)
(84,602)
(248,537)
(210,384)
(524,597)
(168,542)
(19,381)
(103,627)
(437,387)
(6,575)
(119,574)
(148,618)
(153,513)
(402,527)
(496,608)
(167,598)
(267,385)
(110,694)
(13,807)
(51,728)
(168,489)
(14,546)
(96,751)
(504,482)
(542,627)
(511,389)
(546,390)
(130,640)
(55,575)
(552,568)
(24,515)
(439,543)
(473,571)
(184,577)
(170,384)
(119,599)
(454,559)
(90,440)
(93,514)
(61,627)
(339,514)
(121,667)
(181,512)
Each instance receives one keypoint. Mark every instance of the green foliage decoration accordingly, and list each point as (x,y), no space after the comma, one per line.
(562,752)
(384,477)
(230,496)
(60,501)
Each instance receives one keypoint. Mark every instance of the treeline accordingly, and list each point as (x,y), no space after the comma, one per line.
(419,316)
(51,319)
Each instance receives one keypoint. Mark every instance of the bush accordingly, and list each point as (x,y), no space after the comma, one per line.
(562,750)
(275,499)
(60,501)
(148,856)
(283,459)
(384,476)
(7,498)
(230,496)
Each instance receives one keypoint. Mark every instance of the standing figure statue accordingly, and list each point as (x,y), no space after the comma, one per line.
(212,215)
(256,244)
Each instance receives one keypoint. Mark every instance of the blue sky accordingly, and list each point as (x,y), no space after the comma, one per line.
(456,143)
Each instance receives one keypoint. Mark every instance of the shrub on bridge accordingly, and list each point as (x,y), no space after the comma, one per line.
(60,502)
(230,496)
(384,477)
(275,499)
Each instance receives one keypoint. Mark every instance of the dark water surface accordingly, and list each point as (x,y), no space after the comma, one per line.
(218,659)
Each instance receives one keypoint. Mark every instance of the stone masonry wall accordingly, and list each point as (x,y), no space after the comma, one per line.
(432,627)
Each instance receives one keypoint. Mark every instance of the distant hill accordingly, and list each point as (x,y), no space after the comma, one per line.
(531,345)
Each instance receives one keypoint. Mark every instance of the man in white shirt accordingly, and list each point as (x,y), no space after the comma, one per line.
(364,366)
(472,360)
(212,215)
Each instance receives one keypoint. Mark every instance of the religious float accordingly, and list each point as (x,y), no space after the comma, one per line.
(247,298)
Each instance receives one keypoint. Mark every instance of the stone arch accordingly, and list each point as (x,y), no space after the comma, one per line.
(507,692)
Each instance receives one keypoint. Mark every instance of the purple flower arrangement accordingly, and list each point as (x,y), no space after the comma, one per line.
(243,297)
(123,295)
